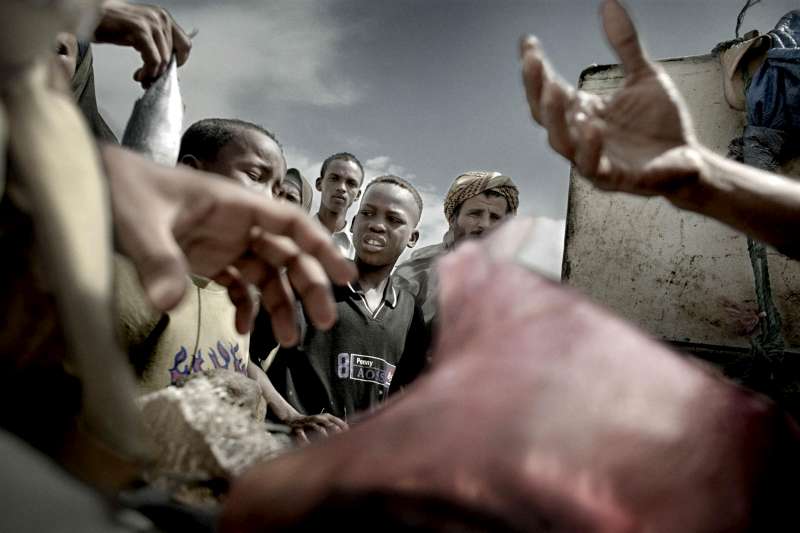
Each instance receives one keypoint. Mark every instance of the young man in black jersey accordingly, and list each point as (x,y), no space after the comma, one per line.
(380,341)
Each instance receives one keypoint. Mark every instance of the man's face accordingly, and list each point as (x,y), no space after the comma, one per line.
(385,224)
(340,186)
(253,159)
(291,193)
(478,215)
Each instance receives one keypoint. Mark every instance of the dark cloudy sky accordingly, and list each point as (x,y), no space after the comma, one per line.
(422,88)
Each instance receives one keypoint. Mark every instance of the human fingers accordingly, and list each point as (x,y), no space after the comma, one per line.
(240,296)
(300,434)
(588,145)
(277,250)
(622,36)
(324,420)
(555,101)
(276,297)
(309,423)
(163,37)
(334,422)
(319,428)
(305,273)
(548,96)
(309,281)
(145,43)
(181,42)
(279,301)
(154,22)
(281,218)
(177,41)
(159,262)
(533,67)
(617,177)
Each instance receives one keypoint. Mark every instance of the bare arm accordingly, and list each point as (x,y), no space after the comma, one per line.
(282,409)
(641,140)
(762,204)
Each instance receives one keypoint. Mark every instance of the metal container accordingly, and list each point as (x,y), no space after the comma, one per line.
(683,277)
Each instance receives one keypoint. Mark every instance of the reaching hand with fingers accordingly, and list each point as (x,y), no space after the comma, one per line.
(174,220)
(149,29)
(637,140)
(322,425)
(640,140)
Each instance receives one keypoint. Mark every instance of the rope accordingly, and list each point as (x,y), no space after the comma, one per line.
(740,18)
(767,346)
(766,368)
(769,342)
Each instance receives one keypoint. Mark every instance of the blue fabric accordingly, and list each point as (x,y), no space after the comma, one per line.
(773,96)
(787,31)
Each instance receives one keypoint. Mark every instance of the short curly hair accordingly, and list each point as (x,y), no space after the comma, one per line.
(400,182)
(344,156)
(205,138)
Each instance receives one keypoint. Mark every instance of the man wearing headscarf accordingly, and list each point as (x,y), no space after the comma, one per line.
(475,203)
(297,190)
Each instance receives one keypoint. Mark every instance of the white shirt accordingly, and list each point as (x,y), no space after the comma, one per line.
(342,241)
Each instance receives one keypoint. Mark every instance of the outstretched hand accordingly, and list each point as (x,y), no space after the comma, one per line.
(638,139)
(174,220)
(322,424)
(151,30)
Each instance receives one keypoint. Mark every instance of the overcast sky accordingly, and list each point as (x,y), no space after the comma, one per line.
(421,88)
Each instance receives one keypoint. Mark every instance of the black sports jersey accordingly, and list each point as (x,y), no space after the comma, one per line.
(354,365)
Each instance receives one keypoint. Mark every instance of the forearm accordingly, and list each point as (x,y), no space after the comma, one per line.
(282,409)
(762,204)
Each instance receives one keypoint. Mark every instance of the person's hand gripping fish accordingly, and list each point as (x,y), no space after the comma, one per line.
(149,29)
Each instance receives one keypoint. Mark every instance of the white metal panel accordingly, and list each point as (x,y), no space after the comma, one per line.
(678,275)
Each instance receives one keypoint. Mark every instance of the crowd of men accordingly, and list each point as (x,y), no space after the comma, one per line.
(380,341)
(385,316)
(217,274)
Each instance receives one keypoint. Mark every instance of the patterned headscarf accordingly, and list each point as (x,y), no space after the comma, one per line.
(306,192)
(473,183)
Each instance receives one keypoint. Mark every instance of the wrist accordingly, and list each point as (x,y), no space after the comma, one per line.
(285,412)
(696,189)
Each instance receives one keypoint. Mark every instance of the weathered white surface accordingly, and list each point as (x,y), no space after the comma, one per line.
(678,275)
(211,427)
(542,246)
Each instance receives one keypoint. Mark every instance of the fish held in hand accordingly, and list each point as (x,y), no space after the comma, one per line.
(154,128)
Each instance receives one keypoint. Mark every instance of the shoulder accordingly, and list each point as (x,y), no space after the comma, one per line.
(429,252)
(417,327)
(406,296)
(420,262)
(401,287)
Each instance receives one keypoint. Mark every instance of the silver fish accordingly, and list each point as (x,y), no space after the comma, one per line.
(154,128)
